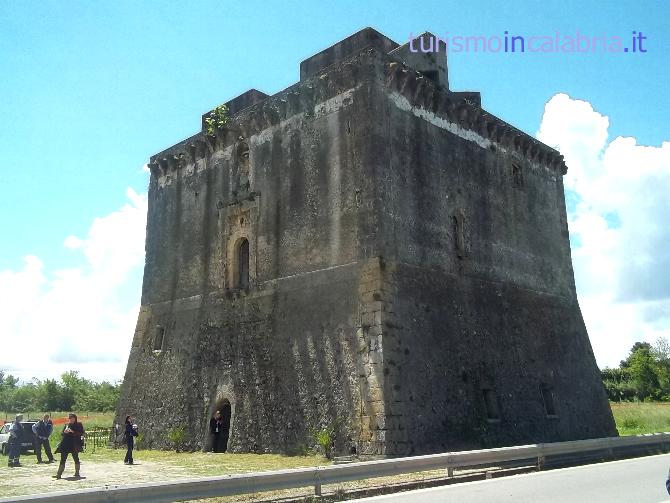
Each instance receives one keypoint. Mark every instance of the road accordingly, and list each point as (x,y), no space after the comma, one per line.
(638,480)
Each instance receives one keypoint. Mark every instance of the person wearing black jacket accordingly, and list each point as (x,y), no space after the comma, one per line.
(71,443)
(216,429)
(130,434)
(42,430)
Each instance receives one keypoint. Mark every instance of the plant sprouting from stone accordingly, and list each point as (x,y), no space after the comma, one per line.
(217,120)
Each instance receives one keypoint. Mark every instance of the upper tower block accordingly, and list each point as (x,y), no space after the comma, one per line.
(423,54)
(367,37)
(432,63)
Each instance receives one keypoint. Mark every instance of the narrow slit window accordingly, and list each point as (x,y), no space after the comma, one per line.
(243,265)
(548,400)
(459,239)
(491,403)
(158,338)
(517,176)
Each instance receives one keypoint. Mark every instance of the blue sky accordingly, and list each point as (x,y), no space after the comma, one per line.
(91,89)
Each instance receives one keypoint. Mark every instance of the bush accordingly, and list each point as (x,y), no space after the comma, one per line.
(177,437)
(325,438)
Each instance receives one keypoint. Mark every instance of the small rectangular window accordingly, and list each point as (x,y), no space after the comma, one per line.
(158,338)
(491,403)
(548,399)
(517,177)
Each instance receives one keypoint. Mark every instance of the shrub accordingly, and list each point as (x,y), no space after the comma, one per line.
(177,437)
(216,120)
(325,438)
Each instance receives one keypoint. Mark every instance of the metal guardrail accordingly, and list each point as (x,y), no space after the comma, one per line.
(229,485)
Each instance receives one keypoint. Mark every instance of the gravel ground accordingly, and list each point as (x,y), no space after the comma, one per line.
(34,478)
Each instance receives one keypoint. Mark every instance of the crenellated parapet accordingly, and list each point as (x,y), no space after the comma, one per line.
(464,110)
(254,111)
(301,98)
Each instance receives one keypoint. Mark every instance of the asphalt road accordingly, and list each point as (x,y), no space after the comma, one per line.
(639,480)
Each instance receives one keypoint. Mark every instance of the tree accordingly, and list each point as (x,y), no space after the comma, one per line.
(75,393)
(637,346)
(643,373)
(11,381)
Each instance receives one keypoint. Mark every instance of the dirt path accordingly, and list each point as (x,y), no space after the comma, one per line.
(32,478)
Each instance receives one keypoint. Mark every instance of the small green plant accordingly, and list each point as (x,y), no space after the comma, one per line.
(324,438)
(177,437)
(217,120)
(138,441)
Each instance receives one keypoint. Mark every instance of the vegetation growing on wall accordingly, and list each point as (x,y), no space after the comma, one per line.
(217,120)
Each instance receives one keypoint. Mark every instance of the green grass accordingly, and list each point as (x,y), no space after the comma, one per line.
(204,463)
(635,418)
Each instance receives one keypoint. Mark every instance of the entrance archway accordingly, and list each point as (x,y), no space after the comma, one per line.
(221,429)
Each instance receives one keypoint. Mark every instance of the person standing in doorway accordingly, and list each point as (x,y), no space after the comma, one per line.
(71,443)
(42,430)
(15,437)
(215,429)
(130,434)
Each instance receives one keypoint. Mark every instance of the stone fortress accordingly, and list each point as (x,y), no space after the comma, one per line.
(366,251)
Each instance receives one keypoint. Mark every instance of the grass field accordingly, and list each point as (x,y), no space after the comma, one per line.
(634,418)
(90,419)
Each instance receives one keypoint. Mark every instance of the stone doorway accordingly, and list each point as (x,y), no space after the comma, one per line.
(220,440)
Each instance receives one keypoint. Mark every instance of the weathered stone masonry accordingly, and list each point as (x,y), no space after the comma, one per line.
(368,250)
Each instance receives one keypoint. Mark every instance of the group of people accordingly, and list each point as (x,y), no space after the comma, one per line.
(71,443)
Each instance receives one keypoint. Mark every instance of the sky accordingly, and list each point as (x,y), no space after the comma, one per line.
(90,90)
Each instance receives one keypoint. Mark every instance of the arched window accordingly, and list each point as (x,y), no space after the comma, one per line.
(243,264)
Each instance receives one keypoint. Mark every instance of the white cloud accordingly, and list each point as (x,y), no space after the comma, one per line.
(621,250)
(82,318)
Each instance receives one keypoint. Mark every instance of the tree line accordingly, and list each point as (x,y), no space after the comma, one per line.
(70,392)
(644,375)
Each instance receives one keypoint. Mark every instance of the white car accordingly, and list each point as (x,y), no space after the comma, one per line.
(26,438)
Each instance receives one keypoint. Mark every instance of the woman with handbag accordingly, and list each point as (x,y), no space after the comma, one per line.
(71,443)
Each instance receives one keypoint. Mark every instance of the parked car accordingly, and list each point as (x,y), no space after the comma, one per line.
(26,437)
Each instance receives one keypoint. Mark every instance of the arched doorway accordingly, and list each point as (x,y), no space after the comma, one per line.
(220,426)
